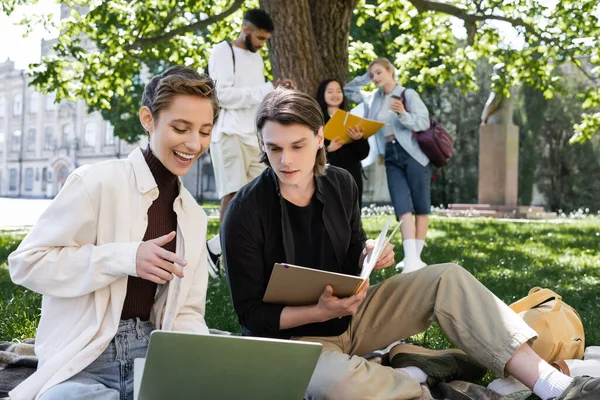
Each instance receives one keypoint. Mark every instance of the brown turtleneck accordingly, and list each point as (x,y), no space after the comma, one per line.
(161,221)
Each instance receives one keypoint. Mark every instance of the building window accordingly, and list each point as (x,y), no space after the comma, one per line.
(29,179)
(31,140)
(33,103)
(50,98)
(1,141)
(15,141)
(2,107)
(89,136)
(12,185)
(17,104)
(109,135)
(67,135)
(48,138)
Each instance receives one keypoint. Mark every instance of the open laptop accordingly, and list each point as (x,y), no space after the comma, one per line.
(191,366)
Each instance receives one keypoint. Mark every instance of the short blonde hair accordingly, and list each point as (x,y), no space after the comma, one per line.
(290,107)
(384,62)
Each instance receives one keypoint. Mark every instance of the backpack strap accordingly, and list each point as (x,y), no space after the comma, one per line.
(403,98)
(535,297)
(232,57)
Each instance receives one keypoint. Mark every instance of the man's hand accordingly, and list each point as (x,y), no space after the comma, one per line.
(330,306)
(386,258)
(286,83)
(397,106)
(335,145)
(356,133)
(154,263)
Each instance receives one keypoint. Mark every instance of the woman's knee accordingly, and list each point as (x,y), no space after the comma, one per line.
(73,389)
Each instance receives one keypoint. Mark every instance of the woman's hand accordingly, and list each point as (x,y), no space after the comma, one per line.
(397,106)
(356,133)
(156,264)
(335,145)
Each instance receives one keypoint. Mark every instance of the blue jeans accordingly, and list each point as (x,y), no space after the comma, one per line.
(408,181)
(110,376)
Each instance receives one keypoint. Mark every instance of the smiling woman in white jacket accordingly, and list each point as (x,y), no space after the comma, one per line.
(118,252)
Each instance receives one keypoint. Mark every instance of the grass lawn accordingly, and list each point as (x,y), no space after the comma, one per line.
(508,257)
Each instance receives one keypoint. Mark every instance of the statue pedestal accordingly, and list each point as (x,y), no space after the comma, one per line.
(498,165)
(498,178)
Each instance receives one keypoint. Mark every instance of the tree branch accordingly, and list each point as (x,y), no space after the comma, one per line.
(151,41)
(577,63)
(430,5)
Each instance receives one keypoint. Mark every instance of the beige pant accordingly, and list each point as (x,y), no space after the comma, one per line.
(235,163)
(474,319)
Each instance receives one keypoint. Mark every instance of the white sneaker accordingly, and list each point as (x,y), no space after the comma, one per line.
(214,263)
(410,267)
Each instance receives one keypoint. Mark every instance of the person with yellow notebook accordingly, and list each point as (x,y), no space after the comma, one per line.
(341,152)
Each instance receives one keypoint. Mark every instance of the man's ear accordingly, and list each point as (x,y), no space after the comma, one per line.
(321,137)
(246,29)
(261,145)
(146,119)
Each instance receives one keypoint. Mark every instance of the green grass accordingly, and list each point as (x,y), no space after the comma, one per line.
(19,308)
(508,257)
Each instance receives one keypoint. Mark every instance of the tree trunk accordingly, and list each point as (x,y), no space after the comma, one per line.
(310,41)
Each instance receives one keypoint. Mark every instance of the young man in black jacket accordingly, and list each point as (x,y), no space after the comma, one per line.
(303,212)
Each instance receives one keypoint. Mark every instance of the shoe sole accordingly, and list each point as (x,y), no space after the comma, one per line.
(412,349)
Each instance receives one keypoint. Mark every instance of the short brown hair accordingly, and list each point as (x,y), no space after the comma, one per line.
(290,107)
(160,91)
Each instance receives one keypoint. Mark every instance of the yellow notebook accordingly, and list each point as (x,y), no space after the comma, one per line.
(337,126)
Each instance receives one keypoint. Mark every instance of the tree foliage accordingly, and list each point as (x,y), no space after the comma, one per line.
(133,39)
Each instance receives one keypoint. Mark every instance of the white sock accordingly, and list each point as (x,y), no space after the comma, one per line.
(214,245)
(420,244)
(415,373)
(551,383)
(410,251)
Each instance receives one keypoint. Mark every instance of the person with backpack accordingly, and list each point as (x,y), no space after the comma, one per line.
(407,167)
(239,73)
(116,253)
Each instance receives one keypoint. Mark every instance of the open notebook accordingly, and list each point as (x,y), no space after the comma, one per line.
(337,126)
(293,285)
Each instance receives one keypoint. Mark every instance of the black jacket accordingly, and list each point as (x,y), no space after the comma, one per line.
(256,234)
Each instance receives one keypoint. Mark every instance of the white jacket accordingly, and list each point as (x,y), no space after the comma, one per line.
(79,255)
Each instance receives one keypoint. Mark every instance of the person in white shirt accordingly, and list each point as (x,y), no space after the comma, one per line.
(115,255)
(238,70)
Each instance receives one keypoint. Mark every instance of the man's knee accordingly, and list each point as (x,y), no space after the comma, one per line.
(341,377)
(332,378)
(449,269)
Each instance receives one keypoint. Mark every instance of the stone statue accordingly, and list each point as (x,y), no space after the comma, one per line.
(498,110)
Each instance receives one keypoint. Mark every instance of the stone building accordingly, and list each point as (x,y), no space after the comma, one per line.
(42,142)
